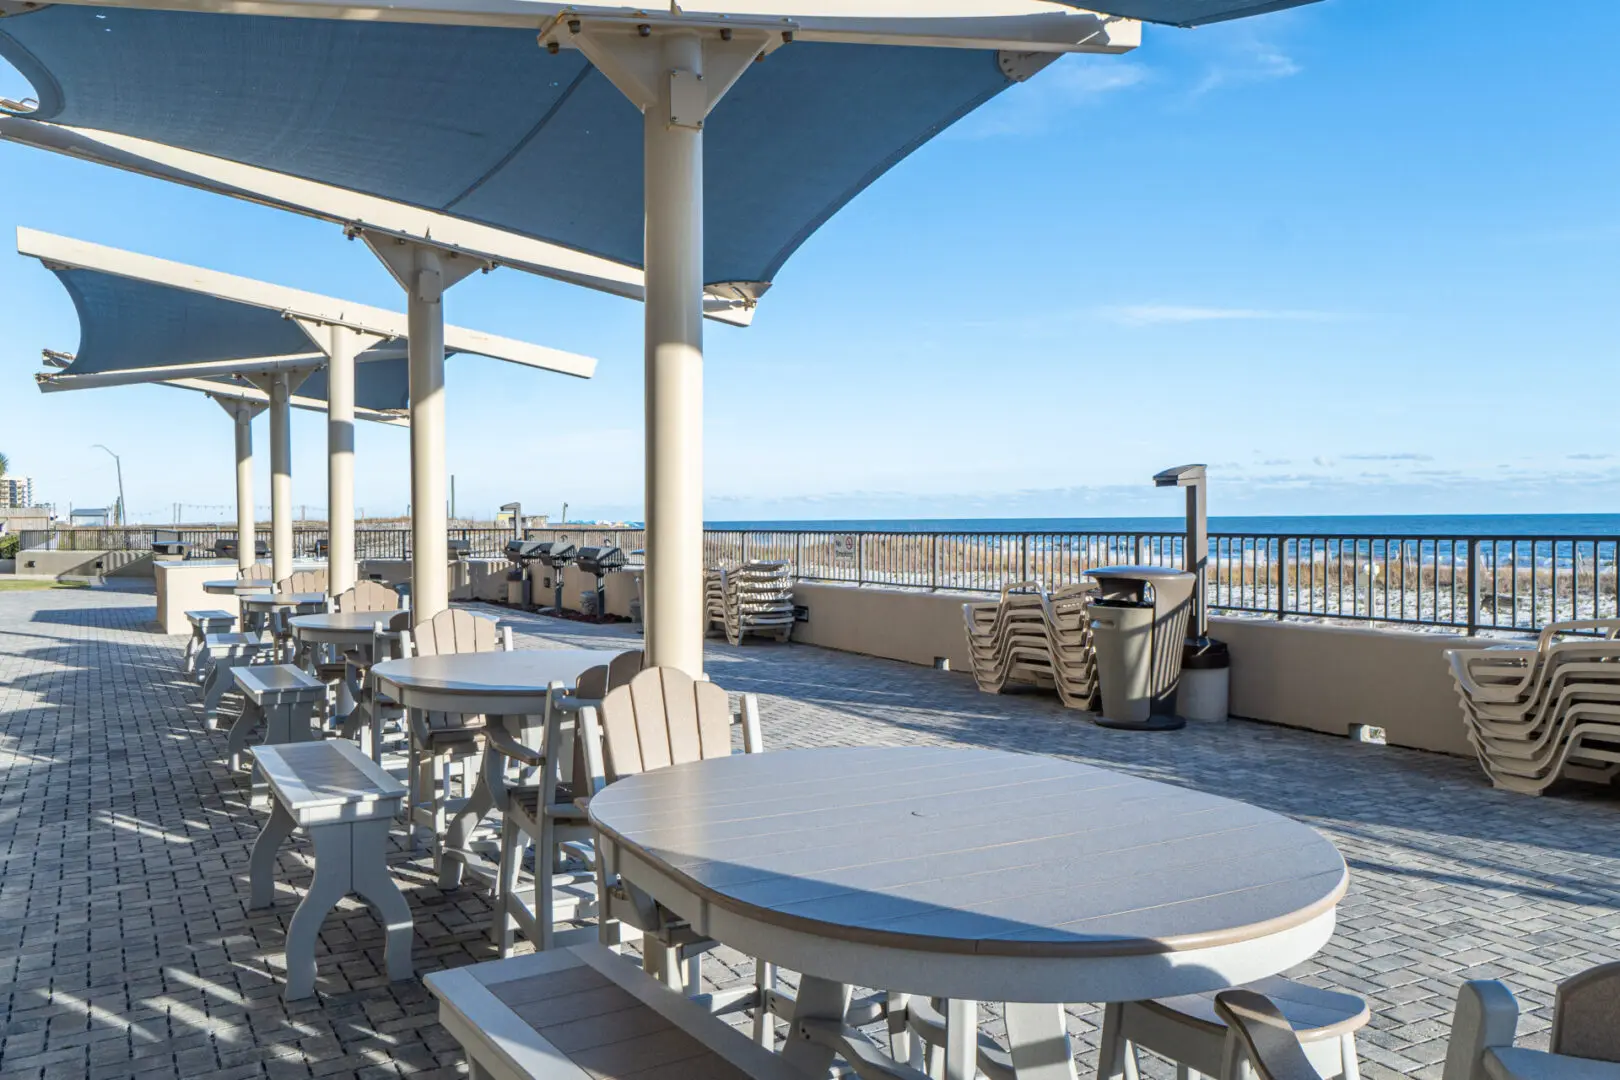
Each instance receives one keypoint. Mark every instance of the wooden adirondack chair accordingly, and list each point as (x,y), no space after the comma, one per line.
(440,742)
(303,581)
(665,717)
(259,571)
(367,596)
(539,808)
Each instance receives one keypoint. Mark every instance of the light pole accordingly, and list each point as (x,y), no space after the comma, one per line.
(118,462)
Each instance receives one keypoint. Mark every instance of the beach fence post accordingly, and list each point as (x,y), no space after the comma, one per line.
(933,561)
(1282,575)
(1473,587)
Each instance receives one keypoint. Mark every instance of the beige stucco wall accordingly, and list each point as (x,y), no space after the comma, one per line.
(180,589)
(1306,675)
(85,564)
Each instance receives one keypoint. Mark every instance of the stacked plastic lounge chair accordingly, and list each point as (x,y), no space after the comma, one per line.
(1536,715)
(1027,638)
(755,598)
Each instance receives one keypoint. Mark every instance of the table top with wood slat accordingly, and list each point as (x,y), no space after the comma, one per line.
(342,627)
(326,773)
(491,674)
(973,851)
(587,1014)
(276,678)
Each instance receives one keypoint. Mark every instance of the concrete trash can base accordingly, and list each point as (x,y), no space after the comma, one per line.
(1206,679)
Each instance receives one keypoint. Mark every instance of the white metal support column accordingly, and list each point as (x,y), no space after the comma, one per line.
(243,412)
(425,273)
(281,525)
(675,69)
(341,344)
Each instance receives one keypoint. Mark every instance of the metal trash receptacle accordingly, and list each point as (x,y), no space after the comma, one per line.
(1138,629)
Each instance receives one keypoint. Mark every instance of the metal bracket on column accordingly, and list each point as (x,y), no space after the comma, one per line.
(324,335)
(295,377)
(1023,66)
(235,407)
(625,49)
(402,258)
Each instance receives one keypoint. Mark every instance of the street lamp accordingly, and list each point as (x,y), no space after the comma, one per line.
(123,511)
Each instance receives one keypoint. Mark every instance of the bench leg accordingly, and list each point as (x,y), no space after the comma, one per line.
(334,877)
(1038,1042)
(377,887)
(236,741)
(503,928)
(262,865)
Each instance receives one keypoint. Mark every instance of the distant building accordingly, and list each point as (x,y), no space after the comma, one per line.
(86,516)
(16,492)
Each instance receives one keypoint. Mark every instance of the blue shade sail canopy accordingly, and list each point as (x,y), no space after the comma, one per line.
(482,123)
(1186,12)
(127,324)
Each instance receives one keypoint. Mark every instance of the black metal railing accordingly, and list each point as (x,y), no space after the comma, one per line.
(1462,583)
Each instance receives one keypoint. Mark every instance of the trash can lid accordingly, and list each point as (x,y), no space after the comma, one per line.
(1144,573)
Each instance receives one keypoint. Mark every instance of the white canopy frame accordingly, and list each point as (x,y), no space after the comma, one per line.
(339,332)
(674,67)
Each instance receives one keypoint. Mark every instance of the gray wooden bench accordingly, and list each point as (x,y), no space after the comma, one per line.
(203,623)
(346,803)
(283,699)
(586,1013)
(224,654)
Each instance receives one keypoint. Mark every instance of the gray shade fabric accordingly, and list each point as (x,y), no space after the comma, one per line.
(128,324)
(482,123)
(1186,12)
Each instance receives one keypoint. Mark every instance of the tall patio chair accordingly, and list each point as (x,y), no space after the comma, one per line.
(374,709)
(664,717)
(303,581)
(367,596)
(538,808)
(442,742)
(259,571)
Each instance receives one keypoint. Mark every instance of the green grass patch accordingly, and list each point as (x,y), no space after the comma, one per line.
(24,586)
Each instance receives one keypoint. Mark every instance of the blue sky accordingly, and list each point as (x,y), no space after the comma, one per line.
(1361,257)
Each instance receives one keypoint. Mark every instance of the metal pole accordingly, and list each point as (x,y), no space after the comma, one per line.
(123,512)
(247,546)
(281,525)
(340,568)
(674,330)
(430,592)
(1196,558)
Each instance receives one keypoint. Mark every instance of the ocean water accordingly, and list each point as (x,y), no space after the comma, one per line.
(1448,525)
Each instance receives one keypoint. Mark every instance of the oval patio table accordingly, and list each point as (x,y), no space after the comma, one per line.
(345,630)
(972,875)
(504,687)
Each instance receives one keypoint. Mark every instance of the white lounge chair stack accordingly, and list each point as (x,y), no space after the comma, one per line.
(1536,715)
(754,598)
(1027,638)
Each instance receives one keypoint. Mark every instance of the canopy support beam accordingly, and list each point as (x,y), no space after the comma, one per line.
(341,344)
(674,70)
(425,272)
(281,525)
(243,412)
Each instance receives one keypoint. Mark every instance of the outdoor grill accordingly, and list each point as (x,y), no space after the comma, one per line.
(226,549)
(600,561)
(519,580)
(458,549)
(554,555)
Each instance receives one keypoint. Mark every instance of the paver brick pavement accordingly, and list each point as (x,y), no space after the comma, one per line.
(127,949)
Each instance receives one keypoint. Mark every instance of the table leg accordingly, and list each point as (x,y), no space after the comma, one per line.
(334,877)
(458,834)
(377,887)
(817,999)
(1039,1042)
(262,865)
(961,1040)
(236,741)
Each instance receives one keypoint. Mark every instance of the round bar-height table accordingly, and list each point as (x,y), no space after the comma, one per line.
(504,687)
(344,630)
(971,875)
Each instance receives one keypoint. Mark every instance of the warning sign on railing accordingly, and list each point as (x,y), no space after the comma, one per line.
(846,547)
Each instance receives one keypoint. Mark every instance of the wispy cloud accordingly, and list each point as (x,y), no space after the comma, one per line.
(1160,314)
(1591,457)
(1068,84)
(1250,60)
(1388,457)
